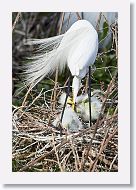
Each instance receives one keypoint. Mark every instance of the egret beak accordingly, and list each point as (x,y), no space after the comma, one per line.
(73,106)
(71,102)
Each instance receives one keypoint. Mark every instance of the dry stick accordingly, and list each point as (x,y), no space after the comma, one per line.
(64,160)
(110,86)
(57,70)
(75,156)
(26,96)
(109,89)
(100,123)
(113,162)
(78,16)
(57,154)
(98,21)
(82,160)
(56,97)
(16,20)
(35,98)
(115,39)
(65,84)
(102,148)
(34,161)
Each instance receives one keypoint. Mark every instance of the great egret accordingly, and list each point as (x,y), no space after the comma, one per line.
(77,48)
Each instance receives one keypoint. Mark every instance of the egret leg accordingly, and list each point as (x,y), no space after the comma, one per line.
(67,94)
(89,93)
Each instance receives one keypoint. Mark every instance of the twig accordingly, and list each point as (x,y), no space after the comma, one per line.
(110,86)
(75,156)
(55,150)
(57,70)
(102,148)
(16,20)
(113,162)
(78,16)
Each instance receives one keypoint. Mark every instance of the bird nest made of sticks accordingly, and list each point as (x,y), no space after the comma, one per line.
(39,147)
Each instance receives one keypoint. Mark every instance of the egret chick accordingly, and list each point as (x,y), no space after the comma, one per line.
(77,48)
(82,107)
(70,120)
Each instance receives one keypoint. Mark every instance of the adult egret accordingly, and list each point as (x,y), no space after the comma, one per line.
(77,48)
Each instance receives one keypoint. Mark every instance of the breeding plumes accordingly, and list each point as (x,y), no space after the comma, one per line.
(77,49)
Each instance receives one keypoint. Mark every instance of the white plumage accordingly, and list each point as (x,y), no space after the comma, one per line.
(77,49)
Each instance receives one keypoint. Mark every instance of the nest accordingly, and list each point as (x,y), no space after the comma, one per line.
(40,147)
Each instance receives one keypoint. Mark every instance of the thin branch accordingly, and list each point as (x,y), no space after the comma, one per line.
(16,20)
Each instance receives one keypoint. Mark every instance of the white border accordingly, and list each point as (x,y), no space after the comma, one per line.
(7,176)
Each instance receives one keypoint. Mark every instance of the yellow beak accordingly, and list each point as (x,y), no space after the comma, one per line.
(71,102)
(73,106)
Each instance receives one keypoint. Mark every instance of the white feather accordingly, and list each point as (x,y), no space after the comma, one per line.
(77,49)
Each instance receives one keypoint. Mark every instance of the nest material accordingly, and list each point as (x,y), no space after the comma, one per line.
(38,146)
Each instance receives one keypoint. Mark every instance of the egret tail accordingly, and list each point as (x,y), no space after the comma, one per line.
(45,60)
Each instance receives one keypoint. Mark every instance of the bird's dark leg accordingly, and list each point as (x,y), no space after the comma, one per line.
(89,93)
(67,94)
